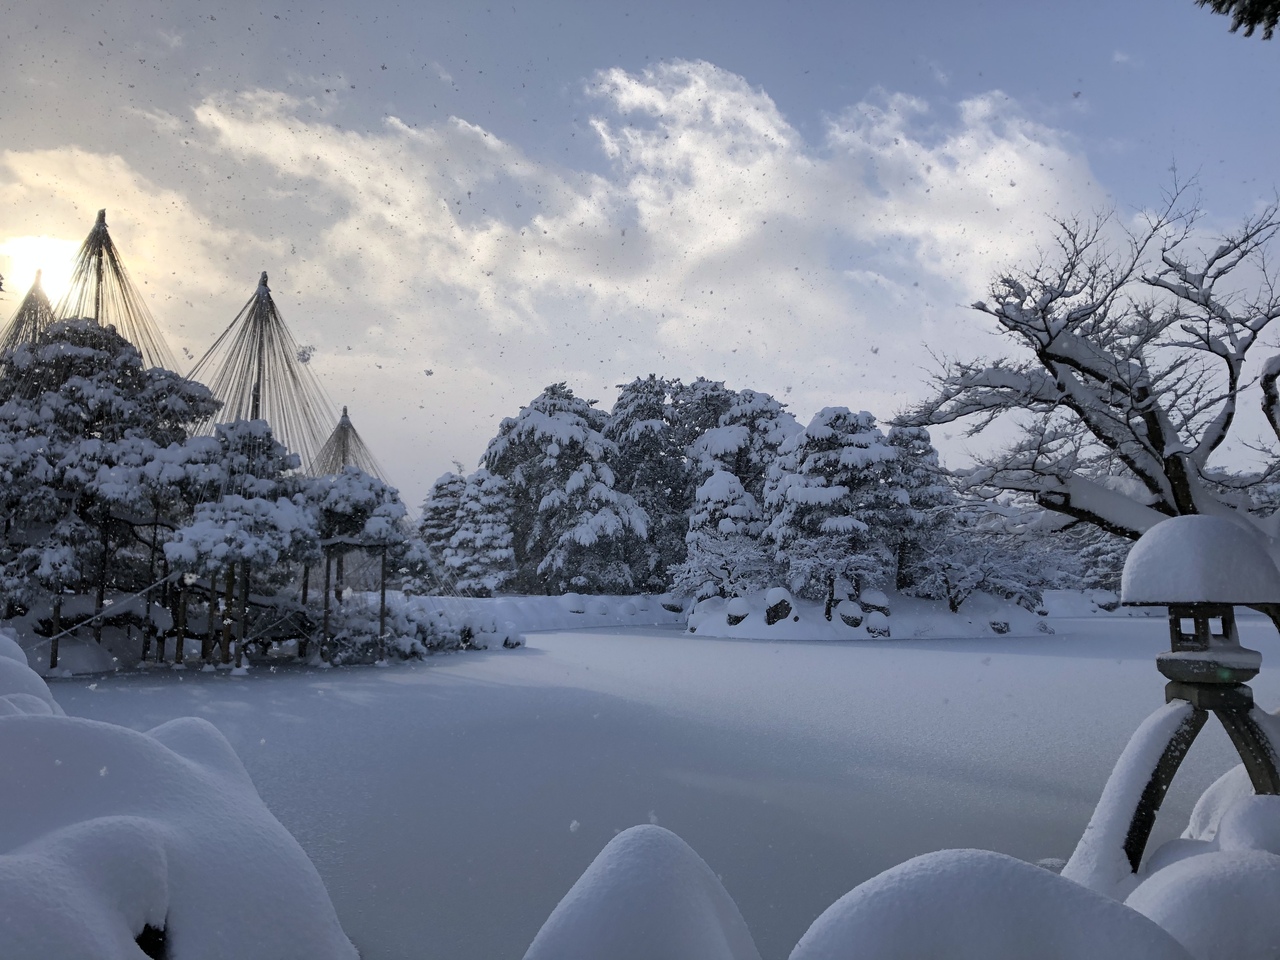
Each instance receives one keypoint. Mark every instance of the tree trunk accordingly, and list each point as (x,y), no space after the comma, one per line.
(180,634)
(206,644)
(306,581)
(229,596)
(57,629)
(831,596)
(341,576)
(324,634)
(244,613)
(100,601)
(382,609)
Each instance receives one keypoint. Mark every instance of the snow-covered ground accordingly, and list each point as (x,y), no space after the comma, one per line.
(449,804)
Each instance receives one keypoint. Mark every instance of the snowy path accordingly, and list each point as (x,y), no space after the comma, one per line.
(450,804)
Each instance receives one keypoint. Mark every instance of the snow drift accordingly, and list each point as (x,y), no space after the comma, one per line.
(105,831)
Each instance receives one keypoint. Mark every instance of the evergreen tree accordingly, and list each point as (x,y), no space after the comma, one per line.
(570,526)
(82,424)
(439,523)
(745,440)
(726,555)
(650,466)
(480,556)
(833,498)
(925,508)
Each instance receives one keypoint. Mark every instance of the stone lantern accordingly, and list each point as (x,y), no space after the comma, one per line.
(1201,568)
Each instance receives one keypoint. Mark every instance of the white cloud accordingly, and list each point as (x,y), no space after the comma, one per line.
(717,241)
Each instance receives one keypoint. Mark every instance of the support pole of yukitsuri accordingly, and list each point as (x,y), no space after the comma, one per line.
(382,609)
(324,645)
(181,626)
(306,581)
(56,631)
(226,618)
(341,575)
(244,613)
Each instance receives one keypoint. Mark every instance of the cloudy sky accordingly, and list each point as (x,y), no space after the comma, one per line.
(795,197)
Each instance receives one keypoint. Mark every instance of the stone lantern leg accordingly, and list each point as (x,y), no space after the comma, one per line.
(1200,568)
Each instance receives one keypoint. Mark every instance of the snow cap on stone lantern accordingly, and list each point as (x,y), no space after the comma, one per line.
(1199,559)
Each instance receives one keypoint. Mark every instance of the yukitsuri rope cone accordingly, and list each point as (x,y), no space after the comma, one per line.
(345,448)
(102,291)
(31,319)
(258,371)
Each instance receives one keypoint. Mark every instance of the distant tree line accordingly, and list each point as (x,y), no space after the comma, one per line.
(708,491)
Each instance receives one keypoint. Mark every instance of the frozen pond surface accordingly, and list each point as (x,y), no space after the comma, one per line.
(450,804)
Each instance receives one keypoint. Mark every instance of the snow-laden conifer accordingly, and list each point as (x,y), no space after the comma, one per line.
(650,465)
(570,526)
(479,557)
(832,498)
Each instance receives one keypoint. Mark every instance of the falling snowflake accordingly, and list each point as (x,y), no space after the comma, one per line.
(304,353)
(429,372)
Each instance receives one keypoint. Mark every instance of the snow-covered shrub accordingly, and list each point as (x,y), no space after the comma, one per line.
(850,612)
(877,624)
(736,611)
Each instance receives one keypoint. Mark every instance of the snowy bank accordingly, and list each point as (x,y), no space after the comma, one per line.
(878,616)
(108,835)
(512,616)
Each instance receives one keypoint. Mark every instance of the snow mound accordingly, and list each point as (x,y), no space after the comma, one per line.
(1220,906)
(646,896)
(105,830)
(1199,559)
(962,904)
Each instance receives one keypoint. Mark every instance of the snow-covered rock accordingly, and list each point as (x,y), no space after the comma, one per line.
(647,896)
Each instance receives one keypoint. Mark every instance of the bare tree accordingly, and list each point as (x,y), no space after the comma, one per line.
(1129,369)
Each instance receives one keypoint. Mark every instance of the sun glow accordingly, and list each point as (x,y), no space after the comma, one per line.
(21,257)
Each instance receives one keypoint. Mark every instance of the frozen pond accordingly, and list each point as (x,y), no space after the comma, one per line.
(450,804)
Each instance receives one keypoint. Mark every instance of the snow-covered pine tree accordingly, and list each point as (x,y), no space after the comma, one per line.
(650,465)
(438,525)
(924,510)
(832,501)
(479,556)
(570,526)
(726,555)
(81,420)
(697,407)
(745,440)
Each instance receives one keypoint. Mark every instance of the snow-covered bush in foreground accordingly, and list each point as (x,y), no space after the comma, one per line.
(105,832)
